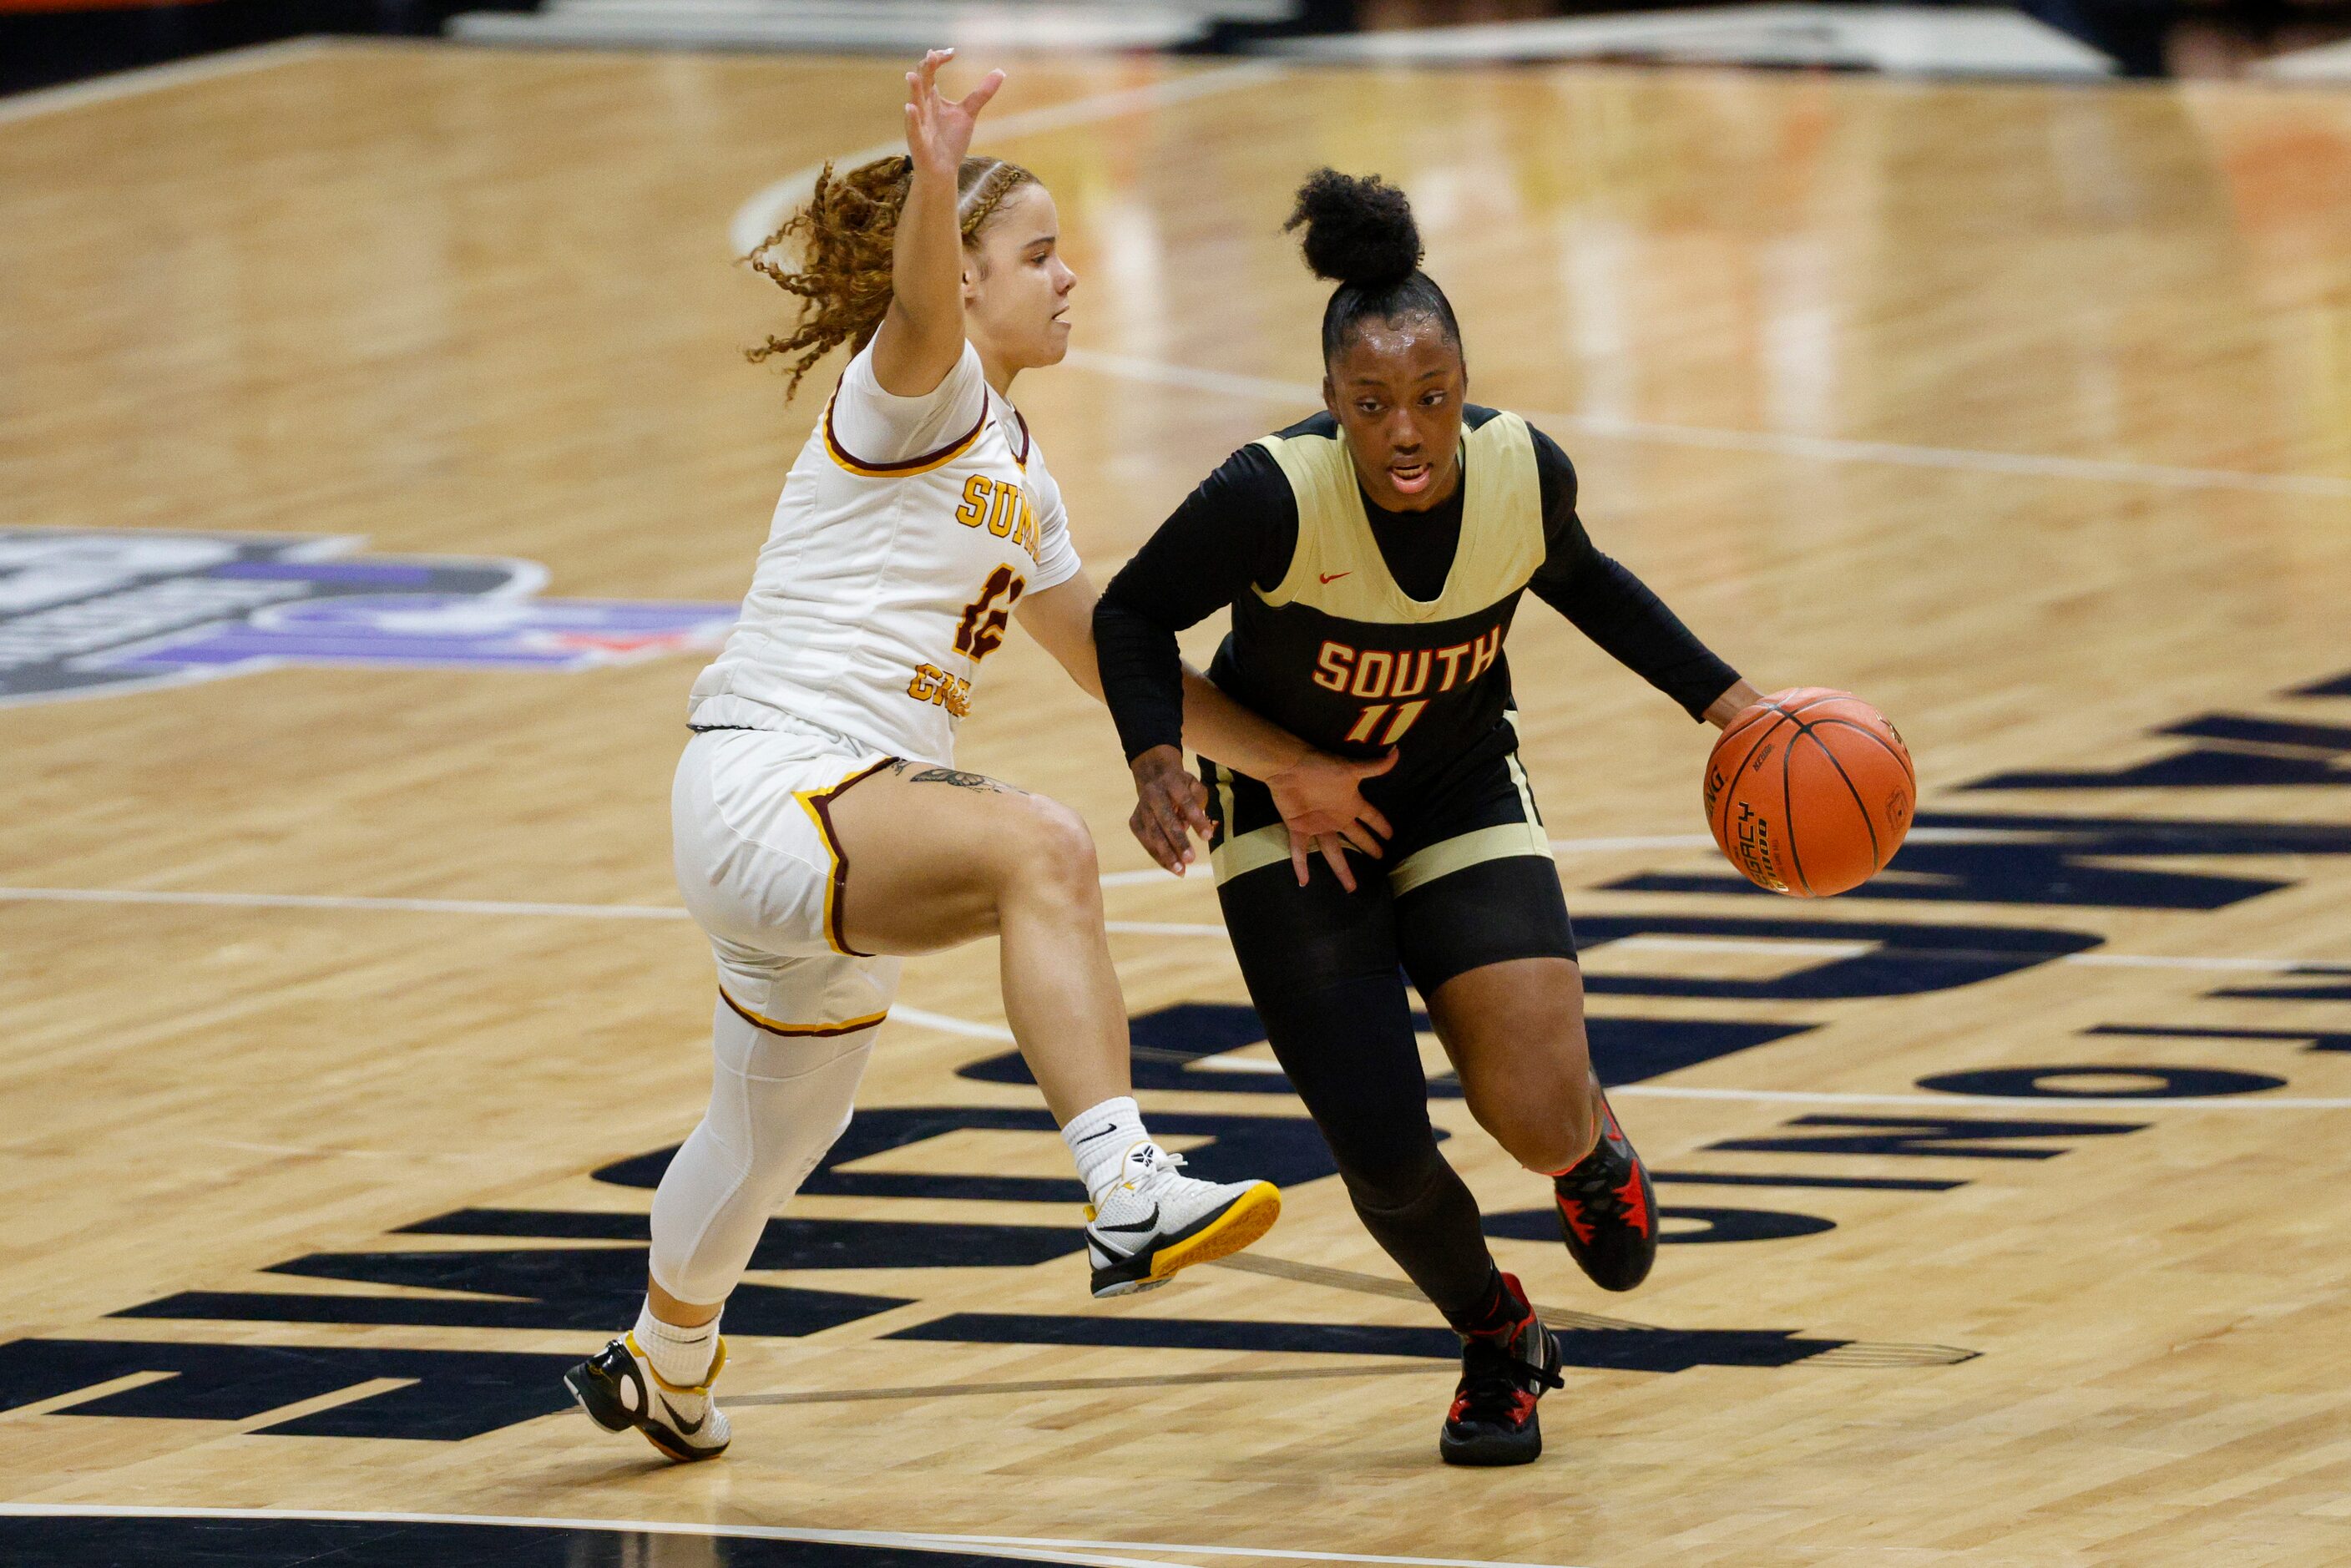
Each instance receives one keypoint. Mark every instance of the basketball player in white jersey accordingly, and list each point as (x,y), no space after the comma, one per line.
(821,829)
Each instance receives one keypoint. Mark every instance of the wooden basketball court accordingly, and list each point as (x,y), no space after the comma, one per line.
(347,1010)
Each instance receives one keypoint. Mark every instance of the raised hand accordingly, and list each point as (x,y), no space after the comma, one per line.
(921,338)
(939,130)
(1322,803)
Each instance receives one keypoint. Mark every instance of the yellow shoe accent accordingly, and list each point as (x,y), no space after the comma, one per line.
(717,1365)
(1250,1217)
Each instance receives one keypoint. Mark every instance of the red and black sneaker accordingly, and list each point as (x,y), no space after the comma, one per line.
(1609,1211)
(1492,1421)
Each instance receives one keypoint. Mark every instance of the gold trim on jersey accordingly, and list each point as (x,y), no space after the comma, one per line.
(803,1029)
(1337,566)
(1238,854)
(1500,842)
(1020,458)
(1266,846)
(911,465)
(1476,847)
(817,804)
(1251,851)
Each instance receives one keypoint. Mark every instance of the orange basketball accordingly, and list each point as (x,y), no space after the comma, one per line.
(1809,791)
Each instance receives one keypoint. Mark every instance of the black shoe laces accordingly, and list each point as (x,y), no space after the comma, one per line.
(1596,1177)
(1492,1377)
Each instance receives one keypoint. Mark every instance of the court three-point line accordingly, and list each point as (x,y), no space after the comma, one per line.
(1766,443)
(761,215)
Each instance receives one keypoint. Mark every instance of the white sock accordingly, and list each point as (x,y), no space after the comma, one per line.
(680,1356)
(1099,1138)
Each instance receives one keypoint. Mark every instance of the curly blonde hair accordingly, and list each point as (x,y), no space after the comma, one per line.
(848,232)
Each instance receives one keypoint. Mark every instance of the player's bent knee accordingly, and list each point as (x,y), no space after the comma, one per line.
(1053,851)
(1544,1130)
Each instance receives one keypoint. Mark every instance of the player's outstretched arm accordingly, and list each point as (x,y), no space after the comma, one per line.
(1320,796)
(921,338)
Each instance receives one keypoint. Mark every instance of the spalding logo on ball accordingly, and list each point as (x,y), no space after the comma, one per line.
(1809,791)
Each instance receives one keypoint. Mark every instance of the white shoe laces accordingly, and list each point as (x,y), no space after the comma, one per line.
(1163,1169)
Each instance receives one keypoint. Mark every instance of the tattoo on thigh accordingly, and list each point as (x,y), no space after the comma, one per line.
(954,776)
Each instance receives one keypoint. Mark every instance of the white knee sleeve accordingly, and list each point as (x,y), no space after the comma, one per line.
(777,1103)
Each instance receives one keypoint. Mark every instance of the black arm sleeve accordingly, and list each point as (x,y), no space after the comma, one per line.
(1614,608)
(1238,527)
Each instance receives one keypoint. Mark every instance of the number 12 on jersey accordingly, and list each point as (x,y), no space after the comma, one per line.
(1405,715)
(981,630)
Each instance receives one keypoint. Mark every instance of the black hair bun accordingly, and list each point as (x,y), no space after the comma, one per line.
(1358,231)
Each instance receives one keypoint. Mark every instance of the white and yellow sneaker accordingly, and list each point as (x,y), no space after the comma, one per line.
(620,1389)
(1154,1222)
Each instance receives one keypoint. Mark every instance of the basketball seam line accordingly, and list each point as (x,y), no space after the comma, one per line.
(1859,728)
(1722,833)
(1876,861)
(1787,802)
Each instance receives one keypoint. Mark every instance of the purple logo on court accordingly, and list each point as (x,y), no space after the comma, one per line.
(86,612)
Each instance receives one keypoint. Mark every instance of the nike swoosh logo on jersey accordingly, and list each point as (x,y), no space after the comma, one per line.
(1335,576)
(684,1427)
(1139,1227)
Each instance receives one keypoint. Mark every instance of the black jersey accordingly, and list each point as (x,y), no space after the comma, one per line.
(1357,629)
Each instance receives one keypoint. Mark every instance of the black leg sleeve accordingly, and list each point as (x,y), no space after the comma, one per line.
(1321,966)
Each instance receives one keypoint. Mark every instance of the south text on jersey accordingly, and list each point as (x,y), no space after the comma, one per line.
(1002,508)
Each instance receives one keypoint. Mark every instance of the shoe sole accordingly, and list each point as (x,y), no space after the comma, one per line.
(1245,1223)
(1250,1217)
(1491,1454)
(588,1400)
(681,1456)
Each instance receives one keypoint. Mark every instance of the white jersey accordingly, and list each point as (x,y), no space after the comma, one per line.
(908,529)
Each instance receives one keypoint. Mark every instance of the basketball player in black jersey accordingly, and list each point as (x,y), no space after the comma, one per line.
(1372,556)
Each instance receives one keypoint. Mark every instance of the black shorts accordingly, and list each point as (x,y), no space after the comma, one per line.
(1468,880)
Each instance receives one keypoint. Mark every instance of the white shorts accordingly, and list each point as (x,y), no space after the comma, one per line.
(763,874)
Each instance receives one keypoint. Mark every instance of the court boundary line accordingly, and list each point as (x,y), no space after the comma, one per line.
(143,80)
(365,904)
(2222,963)
(388,906)
(759,215)
(1042,1549)
(973,1029)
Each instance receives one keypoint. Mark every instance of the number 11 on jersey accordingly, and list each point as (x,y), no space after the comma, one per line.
(1405,715)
